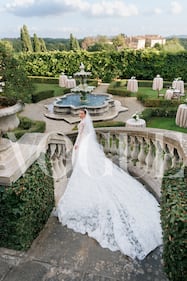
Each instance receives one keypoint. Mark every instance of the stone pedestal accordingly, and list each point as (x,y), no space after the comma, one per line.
(8,121)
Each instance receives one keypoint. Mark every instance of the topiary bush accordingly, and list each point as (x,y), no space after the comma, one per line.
(174,223)
(25,206)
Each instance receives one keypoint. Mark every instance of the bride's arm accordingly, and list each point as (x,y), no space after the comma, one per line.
(78,139)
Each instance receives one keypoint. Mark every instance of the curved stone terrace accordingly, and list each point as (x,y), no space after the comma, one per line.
(60,254)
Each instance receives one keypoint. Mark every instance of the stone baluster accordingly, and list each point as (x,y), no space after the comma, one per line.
(106,142)
(127,151)
(121,151)
(167,158)
(174,156)
(57,157)
(150,155)
(101,139)
(158,160)
(52,148)
(142,154)
(62,161)
(113,147)
(135,149)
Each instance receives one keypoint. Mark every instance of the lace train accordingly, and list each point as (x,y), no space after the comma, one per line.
(109,205)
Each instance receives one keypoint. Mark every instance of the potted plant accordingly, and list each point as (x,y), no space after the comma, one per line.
(16,89)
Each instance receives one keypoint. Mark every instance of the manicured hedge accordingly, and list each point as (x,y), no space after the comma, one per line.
(28,126)
(108,65)
(157,102)
(119,92)
(25,206)
(43,79)
(101,124)
(42,95)
(159,112)
(174,223)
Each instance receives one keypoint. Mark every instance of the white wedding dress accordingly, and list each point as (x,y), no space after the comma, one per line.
(107,203)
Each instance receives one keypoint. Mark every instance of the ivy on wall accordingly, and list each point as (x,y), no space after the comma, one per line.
(174,223)
(25,206)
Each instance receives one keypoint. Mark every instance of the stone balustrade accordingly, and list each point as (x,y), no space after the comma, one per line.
(143,152)
(21,154)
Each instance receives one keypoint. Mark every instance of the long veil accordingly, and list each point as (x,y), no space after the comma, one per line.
(91,157)
(107,203)
(88,126)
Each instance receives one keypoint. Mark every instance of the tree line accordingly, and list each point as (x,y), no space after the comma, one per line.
(28,43)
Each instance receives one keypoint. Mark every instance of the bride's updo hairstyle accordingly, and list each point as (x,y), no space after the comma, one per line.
(84,110)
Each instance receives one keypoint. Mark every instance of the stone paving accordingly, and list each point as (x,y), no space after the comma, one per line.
(60,254)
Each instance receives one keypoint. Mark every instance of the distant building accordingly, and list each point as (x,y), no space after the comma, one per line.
(151,40)
(140,42)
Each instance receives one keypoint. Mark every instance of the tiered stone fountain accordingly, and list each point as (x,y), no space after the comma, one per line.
(100,105)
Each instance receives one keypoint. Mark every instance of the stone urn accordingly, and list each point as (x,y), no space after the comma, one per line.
(8,121)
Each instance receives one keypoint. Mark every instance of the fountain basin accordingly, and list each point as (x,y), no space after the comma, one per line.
(71,103)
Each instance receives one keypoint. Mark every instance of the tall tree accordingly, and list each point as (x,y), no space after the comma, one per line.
(36,43)
(87,42)
(42,45)
(74,44)
(119,42)
(17,84)
(25,40)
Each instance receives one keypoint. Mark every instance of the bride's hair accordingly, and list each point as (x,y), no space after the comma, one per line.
(84,110)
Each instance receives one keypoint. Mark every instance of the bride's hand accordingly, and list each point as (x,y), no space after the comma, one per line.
(76,146)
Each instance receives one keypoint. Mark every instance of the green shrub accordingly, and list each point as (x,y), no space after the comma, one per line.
(91,82)
(156,102)
(38,96)
(28,126)
(25,206)
(161,103)
(101,124)
(159,112)
(25,123)
(174,220)
(37,127)
(119,92)
(43,79)
(149,83)
(145,83)
(147,114)
(107,65)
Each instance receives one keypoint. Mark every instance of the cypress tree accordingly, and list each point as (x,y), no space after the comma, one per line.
(73,42)
(36,44)
(26,40)
(42,45)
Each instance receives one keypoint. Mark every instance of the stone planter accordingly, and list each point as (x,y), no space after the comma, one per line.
(8,121)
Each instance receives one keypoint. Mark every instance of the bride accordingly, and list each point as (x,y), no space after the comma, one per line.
(107,203)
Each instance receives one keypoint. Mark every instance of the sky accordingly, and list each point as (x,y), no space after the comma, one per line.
(83,18)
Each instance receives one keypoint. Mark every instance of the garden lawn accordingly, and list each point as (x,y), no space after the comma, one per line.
(151,94)
(165,123)
(58,91)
